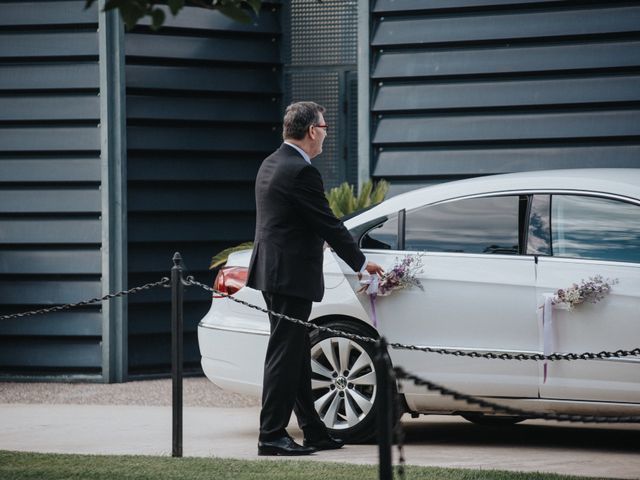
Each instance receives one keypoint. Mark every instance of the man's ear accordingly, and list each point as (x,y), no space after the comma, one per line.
(311,132)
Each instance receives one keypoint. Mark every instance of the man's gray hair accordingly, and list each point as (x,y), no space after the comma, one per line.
(299,117)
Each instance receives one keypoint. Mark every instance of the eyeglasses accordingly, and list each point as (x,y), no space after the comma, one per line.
(325,126)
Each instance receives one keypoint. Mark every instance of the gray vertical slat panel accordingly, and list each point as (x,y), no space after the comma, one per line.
(322,46)
(323,88)
(113,158)
(475,87)
(364,93)
(49,188)
(203,110)
(322,33)
(351,83)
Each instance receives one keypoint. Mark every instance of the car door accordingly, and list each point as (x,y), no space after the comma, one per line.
(479,292)
(590,235)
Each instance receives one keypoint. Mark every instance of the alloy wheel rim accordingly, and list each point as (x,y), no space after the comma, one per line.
(343,382)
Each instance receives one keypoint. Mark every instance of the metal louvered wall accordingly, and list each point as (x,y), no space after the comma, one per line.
(204,107)
(458,88)
(472,87)
(320,62)
(50,174)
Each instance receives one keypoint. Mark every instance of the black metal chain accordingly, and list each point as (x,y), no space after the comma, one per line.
(519,356)
(441,351)
(351,336)
(57,308)
(471,400)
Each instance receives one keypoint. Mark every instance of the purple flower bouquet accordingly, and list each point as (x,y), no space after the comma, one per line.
(402,275)
(591,291)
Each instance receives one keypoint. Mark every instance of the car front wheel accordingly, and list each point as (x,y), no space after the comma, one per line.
(344,382)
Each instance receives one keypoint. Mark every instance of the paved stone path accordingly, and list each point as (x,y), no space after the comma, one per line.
(227,427)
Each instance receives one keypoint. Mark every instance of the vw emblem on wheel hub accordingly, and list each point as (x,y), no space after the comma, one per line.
(341,383)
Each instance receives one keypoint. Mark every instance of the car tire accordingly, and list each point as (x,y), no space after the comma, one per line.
(492,420)
(345,398)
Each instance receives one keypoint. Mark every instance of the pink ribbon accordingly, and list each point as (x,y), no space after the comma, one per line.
(370,287)
(547,330)
(372,299)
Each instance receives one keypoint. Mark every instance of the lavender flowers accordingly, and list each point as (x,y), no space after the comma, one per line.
(402,275)
(591,291)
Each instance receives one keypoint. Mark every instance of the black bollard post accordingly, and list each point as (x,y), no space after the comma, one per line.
(384,408)
(177,291)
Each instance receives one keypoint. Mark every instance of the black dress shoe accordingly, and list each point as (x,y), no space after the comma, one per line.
(324,443)
(283,446)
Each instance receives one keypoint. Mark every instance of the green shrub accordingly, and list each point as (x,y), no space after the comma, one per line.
(343,200)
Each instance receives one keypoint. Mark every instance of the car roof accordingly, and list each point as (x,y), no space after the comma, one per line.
(619,181)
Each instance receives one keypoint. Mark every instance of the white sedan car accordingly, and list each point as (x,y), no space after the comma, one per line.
(493,249)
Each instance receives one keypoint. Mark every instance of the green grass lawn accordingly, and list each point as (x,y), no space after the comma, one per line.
(39,466)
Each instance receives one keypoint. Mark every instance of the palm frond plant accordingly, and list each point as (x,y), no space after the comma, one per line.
(343,200)
(221,258)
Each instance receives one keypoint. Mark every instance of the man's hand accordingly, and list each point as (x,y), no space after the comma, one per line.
(373,268)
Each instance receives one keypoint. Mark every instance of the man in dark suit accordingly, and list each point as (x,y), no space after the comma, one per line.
(293,221)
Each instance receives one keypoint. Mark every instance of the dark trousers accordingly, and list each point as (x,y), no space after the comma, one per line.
(287,371)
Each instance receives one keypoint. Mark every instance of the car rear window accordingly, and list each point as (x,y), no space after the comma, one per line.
(595,228)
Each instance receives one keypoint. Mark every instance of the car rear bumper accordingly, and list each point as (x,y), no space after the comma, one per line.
(233,341)
(222,364)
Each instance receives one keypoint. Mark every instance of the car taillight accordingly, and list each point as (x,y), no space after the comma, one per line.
(229,280)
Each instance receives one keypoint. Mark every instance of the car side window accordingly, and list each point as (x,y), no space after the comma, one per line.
(595,228)
(383,235)
(474,225)
(539,233)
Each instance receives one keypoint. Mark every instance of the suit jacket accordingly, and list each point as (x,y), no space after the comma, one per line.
(293,220)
